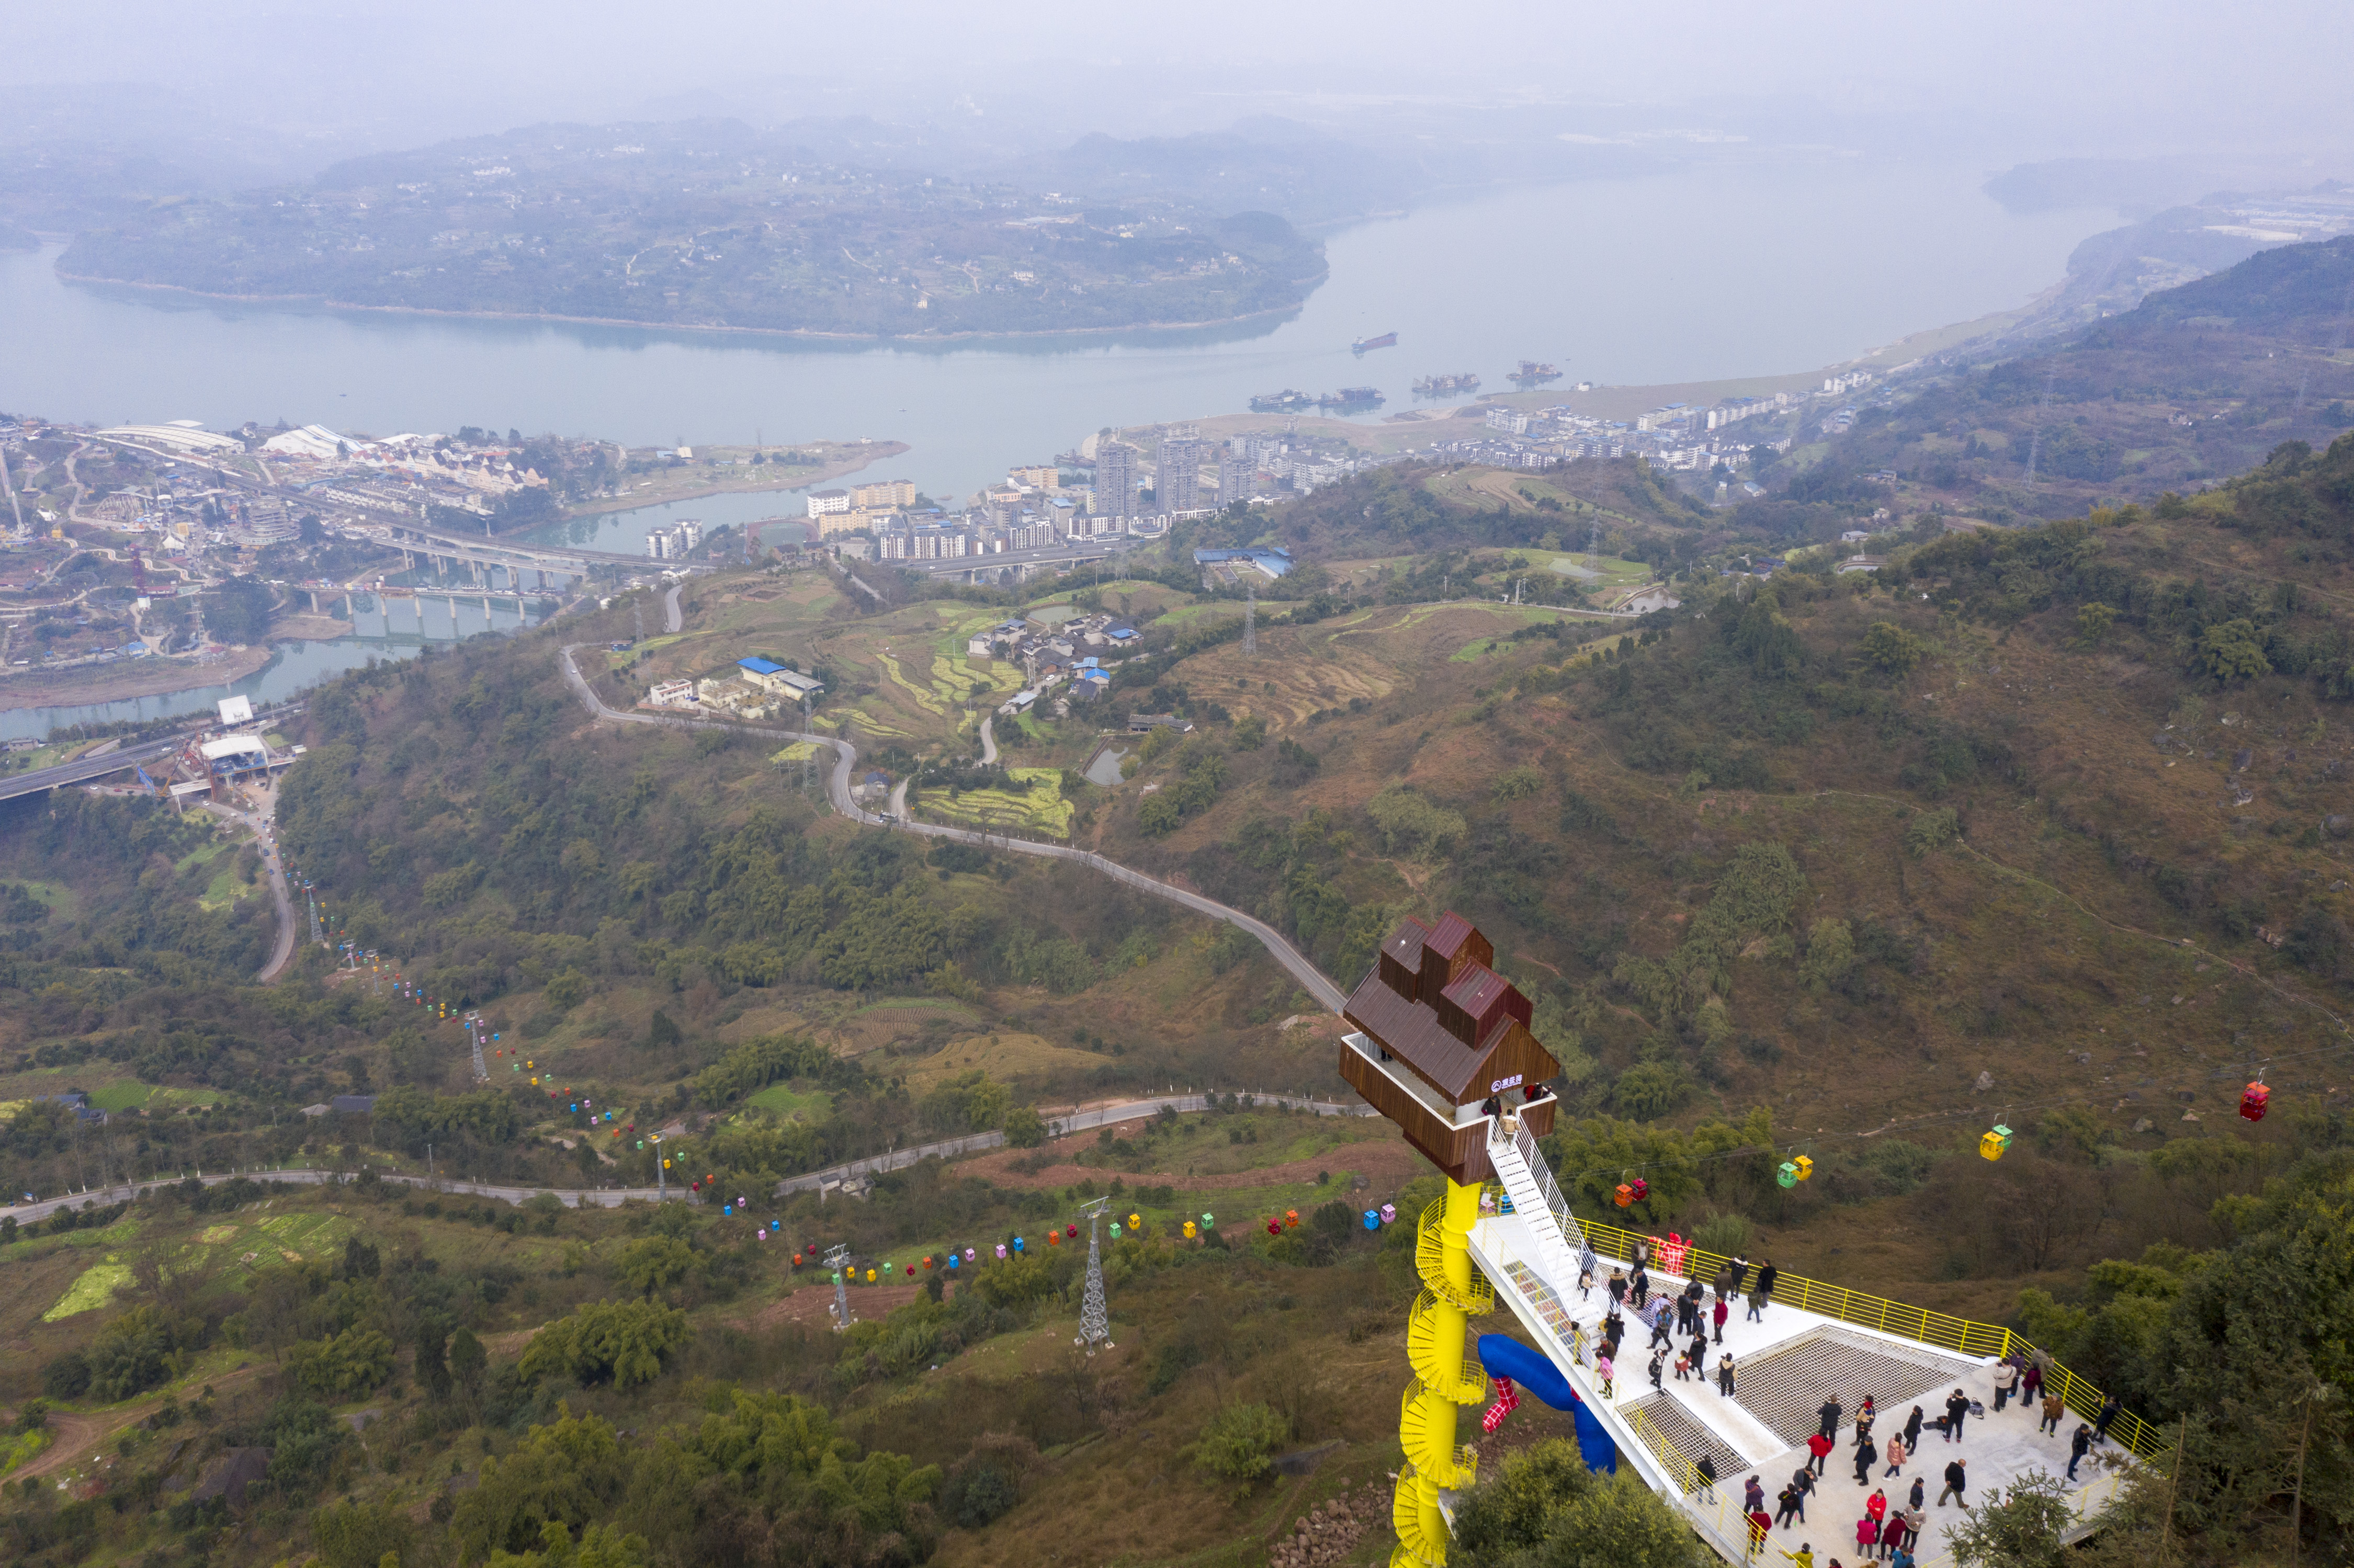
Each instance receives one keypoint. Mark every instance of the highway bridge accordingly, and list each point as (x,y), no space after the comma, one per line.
(85,768)
(552,566)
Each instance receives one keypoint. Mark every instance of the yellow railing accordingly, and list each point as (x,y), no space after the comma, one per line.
(1917,1323)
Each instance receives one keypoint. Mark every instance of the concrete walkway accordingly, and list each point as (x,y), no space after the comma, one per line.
(1785,1365)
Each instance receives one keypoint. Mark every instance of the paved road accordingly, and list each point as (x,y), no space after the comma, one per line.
(1068,1121)
(83,771)
(988,741)
(846,759)
(672,620)
(283,951)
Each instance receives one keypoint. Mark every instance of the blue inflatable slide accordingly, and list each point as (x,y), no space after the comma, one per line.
(1535,1373)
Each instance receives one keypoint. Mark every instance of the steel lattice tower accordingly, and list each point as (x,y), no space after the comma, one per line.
(1250,618)
(1095,1320)
(838,1260)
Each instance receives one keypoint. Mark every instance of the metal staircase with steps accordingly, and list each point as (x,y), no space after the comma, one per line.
(1536,1197)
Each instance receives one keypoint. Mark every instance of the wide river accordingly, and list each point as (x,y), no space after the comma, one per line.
(1707,273)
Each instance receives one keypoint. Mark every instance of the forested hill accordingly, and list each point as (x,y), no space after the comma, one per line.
(709,224)
(2193,385)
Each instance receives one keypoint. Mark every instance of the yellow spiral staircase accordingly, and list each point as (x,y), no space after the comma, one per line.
(1453,1292)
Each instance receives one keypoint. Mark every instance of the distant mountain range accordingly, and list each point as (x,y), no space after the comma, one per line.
(2195,382)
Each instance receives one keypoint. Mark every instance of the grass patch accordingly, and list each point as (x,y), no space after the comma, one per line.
(15,1451)
(128,1095)
(1041,809)
(798,750)
(1007,1056)
(94,1288)
(788,1104)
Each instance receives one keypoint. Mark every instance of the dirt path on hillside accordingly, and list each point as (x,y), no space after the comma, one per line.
(77,1432)
(812,1304)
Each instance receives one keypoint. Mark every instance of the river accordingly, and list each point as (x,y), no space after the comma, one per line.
(294,667)
(1765,266)
(1707,273)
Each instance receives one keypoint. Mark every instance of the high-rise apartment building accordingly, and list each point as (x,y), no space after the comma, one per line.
(1178,484)
(1235,472)
(1115,479)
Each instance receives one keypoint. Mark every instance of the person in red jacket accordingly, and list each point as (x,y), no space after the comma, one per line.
(1720,1311)
(1821,1447)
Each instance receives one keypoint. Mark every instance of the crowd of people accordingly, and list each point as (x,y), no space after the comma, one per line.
(1686,1325)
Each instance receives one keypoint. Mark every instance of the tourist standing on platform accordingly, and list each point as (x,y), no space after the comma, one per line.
(2054,1407)
(1688,1307)
(2110,1409)
(2030,1381)
(2078,1446)
(1720,1312)
(1956,1484)
(1658,1361)
(1761,1294)
(1603,1368)
(1723,1280)
(1662,1313)
(1917,1499)
(1865,1415)
(1618,1288)
(1639,1287)
(1704,1479)
(1913,1431)
(2006,1379)
(1788,1502)
(1585,1283)
(1867,1536)
(1821,1447)
(1957,1405)
(1828,1418)
(1805,1482)
(1740,1267)
(1803,1556)
(1895,1452)
(1892,1535)
(1866,1456)
(1759,1522)
(1752,1494)
(1724,1375)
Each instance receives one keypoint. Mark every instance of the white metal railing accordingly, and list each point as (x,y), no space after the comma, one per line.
(1542,1173)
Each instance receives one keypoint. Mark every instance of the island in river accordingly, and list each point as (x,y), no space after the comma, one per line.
(708,225)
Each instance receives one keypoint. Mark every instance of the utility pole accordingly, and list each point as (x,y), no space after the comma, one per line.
(662,1169)
(1250,619)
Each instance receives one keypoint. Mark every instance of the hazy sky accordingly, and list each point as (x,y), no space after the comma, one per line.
(2004,78)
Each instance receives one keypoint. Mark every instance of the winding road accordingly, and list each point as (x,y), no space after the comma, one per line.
(1061,1124)
(845,761)
(283,951)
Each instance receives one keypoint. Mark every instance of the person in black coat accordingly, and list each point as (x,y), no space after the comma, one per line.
(2078,1446)
(1956,1484)
(1867,1454)
(1829,1415)
(1957,1405)
(1913,1432)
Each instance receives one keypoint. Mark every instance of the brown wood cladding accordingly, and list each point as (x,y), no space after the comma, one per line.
(1460,1152)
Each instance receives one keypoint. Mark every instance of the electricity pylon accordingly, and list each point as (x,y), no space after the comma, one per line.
(838,1260)
(1095,1321)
